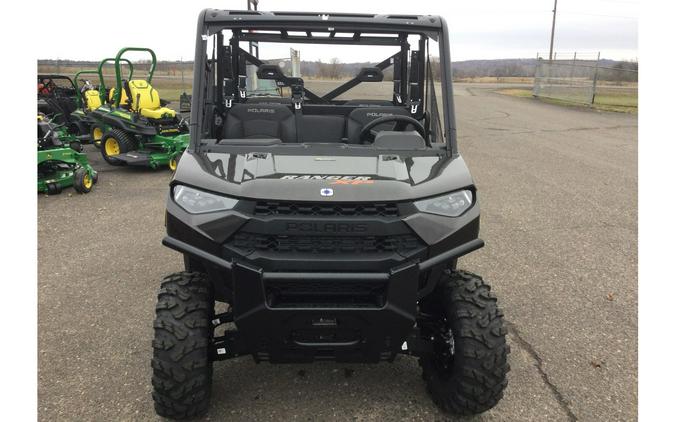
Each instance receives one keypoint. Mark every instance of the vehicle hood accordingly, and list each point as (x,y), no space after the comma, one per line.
(339,178)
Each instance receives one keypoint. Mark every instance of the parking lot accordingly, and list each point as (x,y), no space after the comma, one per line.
(558,189)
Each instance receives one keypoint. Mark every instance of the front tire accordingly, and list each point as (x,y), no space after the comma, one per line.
(181,363)
(95,135)
(83,181)
(466,372)
(53,189)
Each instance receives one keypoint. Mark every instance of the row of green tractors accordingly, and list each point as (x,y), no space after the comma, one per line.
(129,123)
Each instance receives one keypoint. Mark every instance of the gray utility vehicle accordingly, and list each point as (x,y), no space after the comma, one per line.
(325,222)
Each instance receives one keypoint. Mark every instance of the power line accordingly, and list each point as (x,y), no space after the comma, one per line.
(598,15)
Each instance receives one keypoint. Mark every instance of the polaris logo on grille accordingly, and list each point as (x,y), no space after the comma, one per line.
(326,227)
(261,110)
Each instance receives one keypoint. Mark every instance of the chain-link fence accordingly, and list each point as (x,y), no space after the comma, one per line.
(588,81)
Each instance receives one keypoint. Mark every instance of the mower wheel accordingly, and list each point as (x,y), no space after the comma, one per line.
(74,129)
(466,372)
(83,181)
(96,134)
(76,146)
(173,162)
(181,364)
(53,189)
(116,142)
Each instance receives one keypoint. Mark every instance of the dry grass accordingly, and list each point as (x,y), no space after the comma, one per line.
(497,79)
(624,101)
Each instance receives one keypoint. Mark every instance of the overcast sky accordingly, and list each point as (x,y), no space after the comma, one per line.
(479,29)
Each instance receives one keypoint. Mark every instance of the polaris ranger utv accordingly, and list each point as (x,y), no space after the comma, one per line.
(328,219)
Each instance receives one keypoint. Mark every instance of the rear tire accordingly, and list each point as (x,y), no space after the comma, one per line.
(466,373)
(116,142)
(181,363)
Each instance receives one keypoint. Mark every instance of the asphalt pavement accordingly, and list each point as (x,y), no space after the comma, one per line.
(558,189)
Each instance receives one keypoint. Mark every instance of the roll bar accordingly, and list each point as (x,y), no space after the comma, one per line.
(100,73)
(118,70)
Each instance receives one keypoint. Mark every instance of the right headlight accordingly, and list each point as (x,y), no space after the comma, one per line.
(450,205)
(196,201)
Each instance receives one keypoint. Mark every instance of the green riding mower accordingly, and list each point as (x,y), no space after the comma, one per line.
(59,165)
(90,97)
(138,128)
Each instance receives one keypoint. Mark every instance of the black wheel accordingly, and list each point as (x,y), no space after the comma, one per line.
(76,146)
(53,189)
(83,181)
(466,373)
(181,363)
(74,128)
(116,142)
(95,135)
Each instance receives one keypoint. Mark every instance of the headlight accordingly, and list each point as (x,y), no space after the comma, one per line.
(198,202)
(450,205)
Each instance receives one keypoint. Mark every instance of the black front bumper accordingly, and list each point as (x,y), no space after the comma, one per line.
(307,316)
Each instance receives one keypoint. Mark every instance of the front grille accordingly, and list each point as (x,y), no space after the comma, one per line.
(249,242)
(324,294)
(269,208)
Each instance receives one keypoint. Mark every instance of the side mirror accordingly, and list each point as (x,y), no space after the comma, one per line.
(370,74)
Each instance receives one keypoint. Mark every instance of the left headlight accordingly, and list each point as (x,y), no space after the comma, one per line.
(450,205)
(198,202)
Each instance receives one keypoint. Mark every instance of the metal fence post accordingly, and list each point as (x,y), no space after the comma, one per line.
(595,79)
(537,77)
(574,65)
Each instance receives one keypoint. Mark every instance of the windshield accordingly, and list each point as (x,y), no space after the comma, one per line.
(277,88)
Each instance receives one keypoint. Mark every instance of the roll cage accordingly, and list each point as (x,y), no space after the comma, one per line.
(215,90)
(55,85)
(103,91)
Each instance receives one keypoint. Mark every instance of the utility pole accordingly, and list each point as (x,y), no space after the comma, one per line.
(555,8)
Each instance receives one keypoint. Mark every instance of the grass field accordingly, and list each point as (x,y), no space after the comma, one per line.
(623,99)
(497,79)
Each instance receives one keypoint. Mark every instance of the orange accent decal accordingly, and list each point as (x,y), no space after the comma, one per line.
(352,182)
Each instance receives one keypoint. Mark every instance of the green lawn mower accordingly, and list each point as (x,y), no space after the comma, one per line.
(138,128)
(59,165)
(90,97)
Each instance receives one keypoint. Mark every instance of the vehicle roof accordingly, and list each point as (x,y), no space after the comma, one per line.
(323,20)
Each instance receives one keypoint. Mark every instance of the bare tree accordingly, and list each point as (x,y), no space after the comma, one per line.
(334,68)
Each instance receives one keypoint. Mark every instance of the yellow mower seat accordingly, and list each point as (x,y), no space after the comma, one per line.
(92,99)
(111,97)
(146,98)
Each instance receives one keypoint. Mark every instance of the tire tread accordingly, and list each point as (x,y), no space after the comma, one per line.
(480,362)
(181,365)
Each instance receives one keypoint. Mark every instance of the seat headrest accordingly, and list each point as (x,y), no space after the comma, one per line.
(366,114)
(139,83)
(246,111)
(360,116)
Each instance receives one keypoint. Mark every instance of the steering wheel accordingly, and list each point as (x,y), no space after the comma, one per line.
(401,123)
